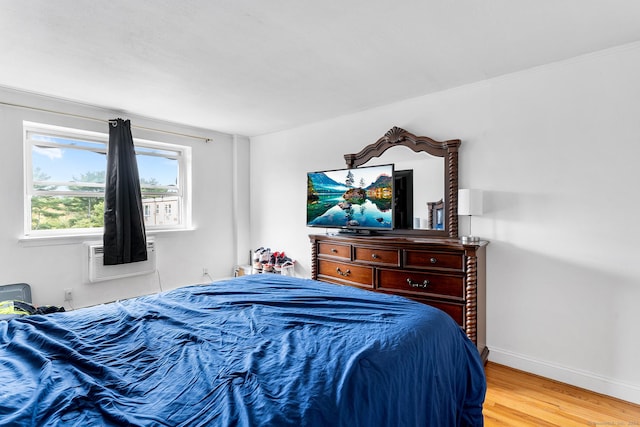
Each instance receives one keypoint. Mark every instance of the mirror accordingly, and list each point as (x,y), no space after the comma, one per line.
(433,168)
(426,177)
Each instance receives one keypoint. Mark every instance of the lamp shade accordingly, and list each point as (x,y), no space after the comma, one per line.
(469,202)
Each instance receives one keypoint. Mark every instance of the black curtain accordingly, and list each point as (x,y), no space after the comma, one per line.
(124,237)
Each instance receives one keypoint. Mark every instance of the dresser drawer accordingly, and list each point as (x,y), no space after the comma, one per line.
(445,285)
(432,259)
(343,272)
(389,257)
(334,250)
(456,311)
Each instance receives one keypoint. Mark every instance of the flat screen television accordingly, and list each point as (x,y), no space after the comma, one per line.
(351,199)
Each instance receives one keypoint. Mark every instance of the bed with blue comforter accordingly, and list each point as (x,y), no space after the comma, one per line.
(261,350)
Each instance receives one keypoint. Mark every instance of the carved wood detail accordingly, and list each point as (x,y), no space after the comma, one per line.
(314,256)
(452,206)
(471,307)
(398,136)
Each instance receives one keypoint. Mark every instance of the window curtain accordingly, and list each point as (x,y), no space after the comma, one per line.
(124,237)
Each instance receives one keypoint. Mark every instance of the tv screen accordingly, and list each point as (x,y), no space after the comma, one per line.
(358,198)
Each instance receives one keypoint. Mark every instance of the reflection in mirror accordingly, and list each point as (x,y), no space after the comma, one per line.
(428,180)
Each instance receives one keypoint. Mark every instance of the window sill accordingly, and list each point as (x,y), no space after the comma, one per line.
(72,239)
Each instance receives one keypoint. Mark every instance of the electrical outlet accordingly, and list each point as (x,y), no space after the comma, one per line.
(68,295)
(205,271)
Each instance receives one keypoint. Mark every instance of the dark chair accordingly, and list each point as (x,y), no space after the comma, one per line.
(436,215)
(16,291)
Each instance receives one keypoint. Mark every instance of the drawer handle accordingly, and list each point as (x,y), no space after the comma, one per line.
(343,273)
(422,285)
(433,260)
(375,256)
(334,251)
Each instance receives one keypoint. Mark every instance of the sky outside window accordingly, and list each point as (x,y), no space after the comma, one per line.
(66,163)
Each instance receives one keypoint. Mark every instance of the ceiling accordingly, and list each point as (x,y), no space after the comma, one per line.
(251,67)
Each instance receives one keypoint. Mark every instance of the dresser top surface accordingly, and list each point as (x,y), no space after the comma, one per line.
(397,240)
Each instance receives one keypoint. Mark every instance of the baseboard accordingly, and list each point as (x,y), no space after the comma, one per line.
(583,379)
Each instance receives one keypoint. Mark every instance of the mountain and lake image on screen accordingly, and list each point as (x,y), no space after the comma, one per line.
(351,198)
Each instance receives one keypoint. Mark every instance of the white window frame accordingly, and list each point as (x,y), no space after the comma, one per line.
(182,155)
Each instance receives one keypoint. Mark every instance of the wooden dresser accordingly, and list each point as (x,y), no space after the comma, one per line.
(443,273)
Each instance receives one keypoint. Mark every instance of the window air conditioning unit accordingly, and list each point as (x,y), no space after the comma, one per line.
(98,272)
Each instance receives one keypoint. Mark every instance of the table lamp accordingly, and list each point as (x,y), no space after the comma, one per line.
(469,203)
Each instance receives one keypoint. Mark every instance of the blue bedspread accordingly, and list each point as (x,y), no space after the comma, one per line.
(260,350)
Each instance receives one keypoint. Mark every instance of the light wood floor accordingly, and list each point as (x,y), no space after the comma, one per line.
(516,398)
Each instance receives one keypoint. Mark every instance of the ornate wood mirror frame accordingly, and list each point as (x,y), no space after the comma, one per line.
(448,150)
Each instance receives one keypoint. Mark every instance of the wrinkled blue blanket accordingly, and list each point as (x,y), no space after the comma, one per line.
(260,350)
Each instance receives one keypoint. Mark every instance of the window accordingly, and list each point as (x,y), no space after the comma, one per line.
(65,173)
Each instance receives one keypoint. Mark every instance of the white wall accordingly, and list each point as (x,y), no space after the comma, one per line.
(556,150)
(181,256)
